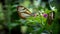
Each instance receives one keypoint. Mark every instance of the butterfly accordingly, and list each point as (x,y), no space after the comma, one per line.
(23,12)
(51,17)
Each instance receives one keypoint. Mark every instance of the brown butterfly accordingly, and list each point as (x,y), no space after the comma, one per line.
(51,17)
(23,12)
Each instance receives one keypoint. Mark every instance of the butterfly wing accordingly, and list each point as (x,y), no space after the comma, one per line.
(23,12)
(51,17)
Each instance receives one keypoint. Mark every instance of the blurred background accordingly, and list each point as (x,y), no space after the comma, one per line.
(10,22)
